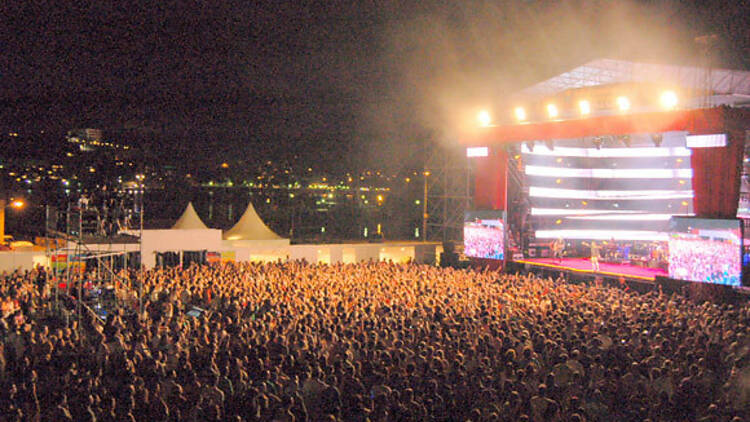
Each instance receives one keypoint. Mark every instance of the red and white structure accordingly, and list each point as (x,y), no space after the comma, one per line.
(611,150)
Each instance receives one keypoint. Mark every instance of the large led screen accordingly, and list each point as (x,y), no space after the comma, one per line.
(484,233)
(705,250)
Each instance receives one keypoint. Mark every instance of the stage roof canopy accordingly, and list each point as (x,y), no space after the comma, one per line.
(610,71)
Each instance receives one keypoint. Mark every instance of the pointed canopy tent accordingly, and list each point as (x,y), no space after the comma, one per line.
(251,227)
(189,220)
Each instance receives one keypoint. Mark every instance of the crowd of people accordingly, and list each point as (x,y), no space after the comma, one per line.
(371,342)
(711,261)
(482,241)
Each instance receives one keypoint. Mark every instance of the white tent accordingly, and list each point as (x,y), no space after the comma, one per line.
(189,220)
(250,227)
(252,240)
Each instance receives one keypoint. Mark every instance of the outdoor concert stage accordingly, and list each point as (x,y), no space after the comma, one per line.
(583,265)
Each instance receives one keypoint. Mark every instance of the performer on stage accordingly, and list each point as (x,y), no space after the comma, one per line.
(594,255)
(558,246)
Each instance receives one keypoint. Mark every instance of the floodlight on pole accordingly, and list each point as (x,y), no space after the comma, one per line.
(484,118)
(668,100)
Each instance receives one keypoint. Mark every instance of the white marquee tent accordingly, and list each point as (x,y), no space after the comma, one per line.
(189,220)
(253,240)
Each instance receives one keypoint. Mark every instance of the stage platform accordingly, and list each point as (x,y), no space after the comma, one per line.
(583,265)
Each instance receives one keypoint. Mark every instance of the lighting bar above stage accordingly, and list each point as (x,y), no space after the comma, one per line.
(606,152)
(602,173)
(632,235)
(628,217)
(568,211)
(540,192)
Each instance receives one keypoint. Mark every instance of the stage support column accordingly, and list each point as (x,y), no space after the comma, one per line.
(491,180)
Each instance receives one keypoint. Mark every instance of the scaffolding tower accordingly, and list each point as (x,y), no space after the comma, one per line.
(448,193)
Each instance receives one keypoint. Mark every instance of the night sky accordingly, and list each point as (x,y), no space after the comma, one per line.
(341,84)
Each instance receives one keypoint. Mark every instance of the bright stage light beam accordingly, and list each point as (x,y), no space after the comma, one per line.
(605,173)
(552,111)
(520,114)
(651,194)
(668,100)
(484,118)
(623,103)
(584,107)
(608,152)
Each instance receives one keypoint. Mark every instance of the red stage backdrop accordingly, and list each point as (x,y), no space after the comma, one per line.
(491,180)
(716,178)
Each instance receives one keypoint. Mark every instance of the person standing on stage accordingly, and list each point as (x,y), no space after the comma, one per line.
(558,245)
(594,256)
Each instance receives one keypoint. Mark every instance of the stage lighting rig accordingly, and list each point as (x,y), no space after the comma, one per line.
(484,118)
(584,107)
(552,111)
(668,100)
(623,103)
(520,114)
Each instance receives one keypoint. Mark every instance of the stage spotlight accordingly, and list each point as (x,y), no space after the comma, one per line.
(668,100)
(584,106)
(598,142)
(484,118)
(656,138)
(552,111)
(520,113)
(623,103)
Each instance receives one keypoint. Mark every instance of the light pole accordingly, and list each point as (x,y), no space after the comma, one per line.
(140,178)
(426,174)
(14,203)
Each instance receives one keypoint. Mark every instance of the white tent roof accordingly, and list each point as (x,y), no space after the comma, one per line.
(189,220)
(250,227)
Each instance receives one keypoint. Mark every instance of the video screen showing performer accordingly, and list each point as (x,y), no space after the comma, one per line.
(484,234)
(706,250)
